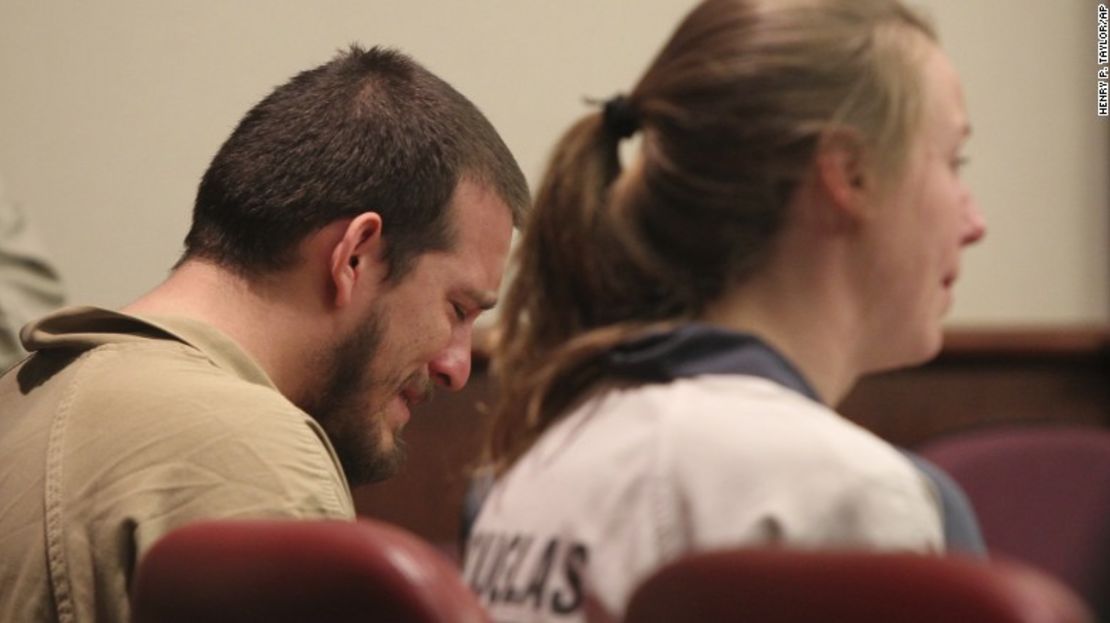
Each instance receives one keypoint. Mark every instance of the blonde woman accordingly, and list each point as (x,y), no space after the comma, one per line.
(682,326)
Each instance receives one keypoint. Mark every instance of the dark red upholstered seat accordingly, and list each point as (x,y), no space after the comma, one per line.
(286,571)
(785,586)
(1042,494)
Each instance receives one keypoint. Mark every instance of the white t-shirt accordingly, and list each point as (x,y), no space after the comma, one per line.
(636,477)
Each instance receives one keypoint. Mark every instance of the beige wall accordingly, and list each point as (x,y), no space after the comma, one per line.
(110,110)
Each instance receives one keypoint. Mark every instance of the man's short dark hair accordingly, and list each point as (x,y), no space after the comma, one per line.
(369,131)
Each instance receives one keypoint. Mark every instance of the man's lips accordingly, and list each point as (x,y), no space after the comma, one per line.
(416,391)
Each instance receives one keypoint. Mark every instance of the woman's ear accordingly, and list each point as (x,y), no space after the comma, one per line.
(357,256)
(843,172)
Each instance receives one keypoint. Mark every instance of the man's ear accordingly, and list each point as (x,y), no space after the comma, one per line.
(843,172)
(356,256)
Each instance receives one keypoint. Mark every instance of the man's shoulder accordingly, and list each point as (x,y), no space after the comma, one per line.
(166,408)
(164,368)
(164,385)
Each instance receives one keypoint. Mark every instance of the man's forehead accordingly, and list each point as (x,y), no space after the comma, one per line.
(483,230)
(473,199)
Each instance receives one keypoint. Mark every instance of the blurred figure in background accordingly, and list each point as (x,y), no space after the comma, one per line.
(29,284)
(681,327)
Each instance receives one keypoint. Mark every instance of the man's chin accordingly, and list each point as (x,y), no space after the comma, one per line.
(377,464)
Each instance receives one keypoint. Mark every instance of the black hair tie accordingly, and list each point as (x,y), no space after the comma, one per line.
(620,117)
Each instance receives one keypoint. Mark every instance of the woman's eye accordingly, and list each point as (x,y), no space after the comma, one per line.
(460,313)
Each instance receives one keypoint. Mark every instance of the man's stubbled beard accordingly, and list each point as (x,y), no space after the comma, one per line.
(349,406)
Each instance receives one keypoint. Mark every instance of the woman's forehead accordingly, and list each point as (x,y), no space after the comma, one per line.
(944,110)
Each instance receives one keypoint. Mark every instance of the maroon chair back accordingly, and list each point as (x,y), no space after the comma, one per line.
(1042,494)
(785,586)
(296,571)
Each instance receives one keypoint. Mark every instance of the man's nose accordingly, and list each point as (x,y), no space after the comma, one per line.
(451,367)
